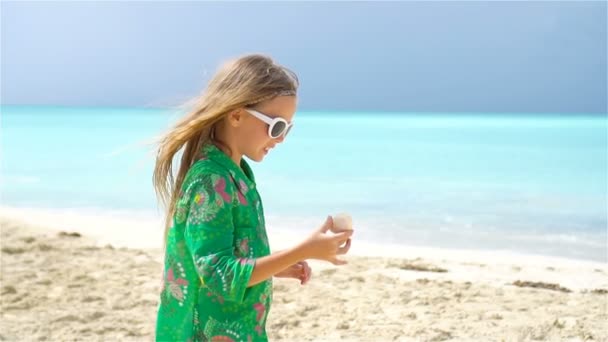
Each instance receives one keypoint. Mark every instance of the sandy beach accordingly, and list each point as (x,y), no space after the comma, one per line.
(63,285)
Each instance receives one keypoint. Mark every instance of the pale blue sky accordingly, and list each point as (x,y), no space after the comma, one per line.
(454,56)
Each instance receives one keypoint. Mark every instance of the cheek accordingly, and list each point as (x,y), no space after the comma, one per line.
(261,133)
(255,136)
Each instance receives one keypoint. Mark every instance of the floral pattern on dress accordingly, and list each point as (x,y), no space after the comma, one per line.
(218,233)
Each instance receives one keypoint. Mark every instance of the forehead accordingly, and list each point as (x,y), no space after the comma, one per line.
(281,106)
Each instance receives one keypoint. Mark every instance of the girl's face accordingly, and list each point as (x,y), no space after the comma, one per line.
(253,138)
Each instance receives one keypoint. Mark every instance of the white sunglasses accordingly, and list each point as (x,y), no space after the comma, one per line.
(276,126)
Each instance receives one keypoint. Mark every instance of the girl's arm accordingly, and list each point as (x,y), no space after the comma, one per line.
(317,246)
(266,267)
(209,238)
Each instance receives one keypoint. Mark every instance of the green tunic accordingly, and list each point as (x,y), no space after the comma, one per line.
(218,232)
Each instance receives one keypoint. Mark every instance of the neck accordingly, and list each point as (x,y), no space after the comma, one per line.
(227,143)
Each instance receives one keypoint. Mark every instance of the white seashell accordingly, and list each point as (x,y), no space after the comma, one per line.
(342,222)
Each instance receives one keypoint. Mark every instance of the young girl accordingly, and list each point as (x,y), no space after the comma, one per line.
(218,268)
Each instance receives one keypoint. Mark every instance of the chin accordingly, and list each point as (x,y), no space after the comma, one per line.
(256,157)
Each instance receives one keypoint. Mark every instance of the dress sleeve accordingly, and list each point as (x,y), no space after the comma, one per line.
(209,231)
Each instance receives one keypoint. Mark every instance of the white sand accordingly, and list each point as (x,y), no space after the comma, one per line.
(59,287)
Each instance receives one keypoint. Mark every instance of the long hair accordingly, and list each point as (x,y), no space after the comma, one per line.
(241,82)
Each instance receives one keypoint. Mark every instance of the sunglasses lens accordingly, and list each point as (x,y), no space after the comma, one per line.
(277,129)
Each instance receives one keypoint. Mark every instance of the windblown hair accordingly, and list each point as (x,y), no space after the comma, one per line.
(242,82)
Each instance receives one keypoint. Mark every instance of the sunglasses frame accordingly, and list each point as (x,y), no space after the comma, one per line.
(271,122)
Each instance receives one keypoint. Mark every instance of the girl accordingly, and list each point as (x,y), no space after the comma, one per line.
(218,268)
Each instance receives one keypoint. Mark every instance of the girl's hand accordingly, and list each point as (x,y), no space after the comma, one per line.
(323,246)
(300,271)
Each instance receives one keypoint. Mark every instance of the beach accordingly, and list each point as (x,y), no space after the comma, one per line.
(67,285)
(470,152)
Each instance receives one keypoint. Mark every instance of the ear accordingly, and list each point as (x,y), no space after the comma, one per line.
(236,117)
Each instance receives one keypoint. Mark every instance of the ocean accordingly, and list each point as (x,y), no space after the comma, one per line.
(529,183)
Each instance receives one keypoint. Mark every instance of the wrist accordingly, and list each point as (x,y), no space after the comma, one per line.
(298,252)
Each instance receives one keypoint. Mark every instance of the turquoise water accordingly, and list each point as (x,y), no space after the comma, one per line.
(528,183)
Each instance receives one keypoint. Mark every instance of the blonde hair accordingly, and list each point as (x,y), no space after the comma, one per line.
(241,82)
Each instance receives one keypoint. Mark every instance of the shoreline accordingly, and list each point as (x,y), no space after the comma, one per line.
(491,267)
(136,229)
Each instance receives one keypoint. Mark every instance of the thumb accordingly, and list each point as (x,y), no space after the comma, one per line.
(329,222)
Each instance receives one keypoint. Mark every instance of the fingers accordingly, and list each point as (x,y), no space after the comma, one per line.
(332,245)
(345,248)
(303,272)
(308,273)
(343,236)
(329,222)
(305,276)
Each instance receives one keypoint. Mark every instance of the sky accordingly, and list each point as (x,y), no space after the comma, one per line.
(435,56)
